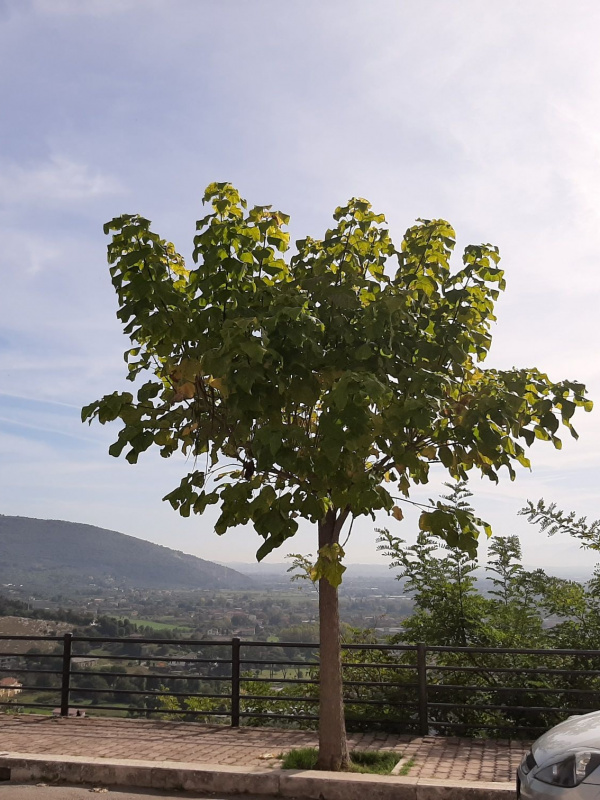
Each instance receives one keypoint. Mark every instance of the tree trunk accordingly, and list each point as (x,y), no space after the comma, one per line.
(333,747)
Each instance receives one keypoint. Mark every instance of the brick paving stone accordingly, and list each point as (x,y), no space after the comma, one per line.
(161,740)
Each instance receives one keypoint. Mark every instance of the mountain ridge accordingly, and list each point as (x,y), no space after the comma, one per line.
(38,552)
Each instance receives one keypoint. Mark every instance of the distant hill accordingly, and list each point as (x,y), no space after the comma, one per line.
(280,569)
(52,554)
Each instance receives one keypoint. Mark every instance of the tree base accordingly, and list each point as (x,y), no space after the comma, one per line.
(333,764)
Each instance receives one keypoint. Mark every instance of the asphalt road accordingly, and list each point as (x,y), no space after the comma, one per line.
(30,791)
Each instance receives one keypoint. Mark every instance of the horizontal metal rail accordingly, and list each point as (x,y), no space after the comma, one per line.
(278,698)
(145,676)
(510,689)
(490,707)
(514,670)
(29,705)
(282,663)
(412,704)
(143,712)
(376,665)
(442,724)
(145,693)
(144,640)
(144,657)
(26,688)
(31,655)
(32,669)
(277,716)
(512,651)
(246,679)
(30,638)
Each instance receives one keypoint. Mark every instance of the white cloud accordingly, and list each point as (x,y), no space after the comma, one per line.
(59,180)
(27,253)
(31,398)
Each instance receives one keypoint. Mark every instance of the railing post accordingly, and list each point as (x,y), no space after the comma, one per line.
(66,675)
(235,682)
(422,680)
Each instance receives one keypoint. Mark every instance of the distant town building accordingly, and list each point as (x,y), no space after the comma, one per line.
(245,632)
(9,687)
(83,662)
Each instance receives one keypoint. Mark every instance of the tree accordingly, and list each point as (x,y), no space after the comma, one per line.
(311,387)
(505,690)
(515,611)
(578,605)
(553,520)
(448,608)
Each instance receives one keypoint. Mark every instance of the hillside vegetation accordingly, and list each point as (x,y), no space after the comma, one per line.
(51,555)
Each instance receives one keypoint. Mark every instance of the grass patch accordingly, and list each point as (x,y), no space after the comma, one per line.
(406,767)
(381,762)
(378,762)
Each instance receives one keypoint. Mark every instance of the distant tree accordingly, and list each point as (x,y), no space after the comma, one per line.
(126,689)
(552,520)
(576,604)
(304,632)
(322,387)
(515,613)
(90,682)
(108,626)
(449,610)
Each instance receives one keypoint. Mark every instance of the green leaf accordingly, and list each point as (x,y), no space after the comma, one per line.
(329,565)
(253,349)
(364,352)
(89,412)
(116,448)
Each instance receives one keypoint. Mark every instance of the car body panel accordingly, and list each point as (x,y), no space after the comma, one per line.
(533,789)
(575,734)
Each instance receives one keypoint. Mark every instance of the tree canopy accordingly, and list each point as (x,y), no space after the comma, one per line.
(322,386)
(325,383)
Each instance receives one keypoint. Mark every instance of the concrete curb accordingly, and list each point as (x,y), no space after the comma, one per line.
(192,777)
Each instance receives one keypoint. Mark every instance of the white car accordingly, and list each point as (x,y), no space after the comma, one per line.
(564,762)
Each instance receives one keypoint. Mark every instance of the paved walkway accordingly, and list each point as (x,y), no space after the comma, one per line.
(457,759)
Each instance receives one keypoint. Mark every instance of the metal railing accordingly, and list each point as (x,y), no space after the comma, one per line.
(405,688)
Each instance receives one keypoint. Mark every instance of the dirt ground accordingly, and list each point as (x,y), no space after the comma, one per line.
(22,626)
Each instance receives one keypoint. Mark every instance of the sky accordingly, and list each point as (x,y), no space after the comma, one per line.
(485,114)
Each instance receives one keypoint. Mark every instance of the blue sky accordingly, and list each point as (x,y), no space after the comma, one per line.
(486,114)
